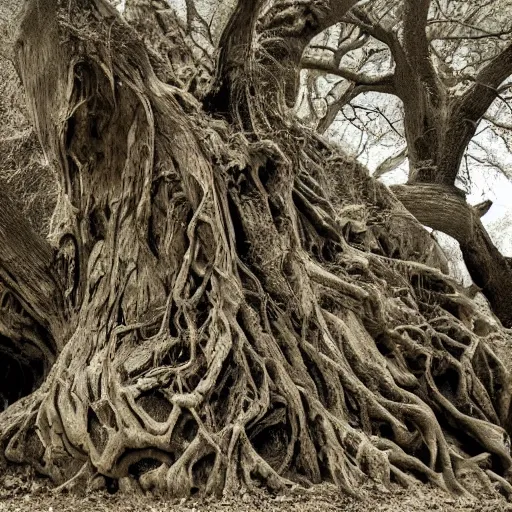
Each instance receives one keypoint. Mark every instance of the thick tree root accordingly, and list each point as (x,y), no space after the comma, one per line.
(237,326)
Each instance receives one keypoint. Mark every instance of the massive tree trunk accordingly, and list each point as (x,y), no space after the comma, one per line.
(247,308)
(32,306)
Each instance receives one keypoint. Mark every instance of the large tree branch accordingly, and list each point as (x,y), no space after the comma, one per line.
(415,40)
(379,82)
(26,268)
(350,94)
(362,19)
(351,38)
(410,52)
(305,19)
(484,91)
(332,109)
(445,209)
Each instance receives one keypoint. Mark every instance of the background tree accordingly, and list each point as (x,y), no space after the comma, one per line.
(231,301)
(448,64)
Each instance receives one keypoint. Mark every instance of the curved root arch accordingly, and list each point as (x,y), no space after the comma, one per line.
(237,325)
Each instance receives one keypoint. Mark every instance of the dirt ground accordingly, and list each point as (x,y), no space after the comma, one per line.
(20,492)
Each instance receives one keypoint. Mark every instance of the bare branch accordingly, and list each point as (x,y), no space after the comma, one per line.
(391,163)
(362,19)
(382,83)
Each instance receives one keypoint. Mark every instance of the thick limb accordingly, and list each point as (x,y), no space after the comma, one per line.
(445,209)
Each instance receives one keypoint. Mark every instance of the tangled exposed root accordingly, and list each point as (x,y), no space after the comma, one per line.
(237,325)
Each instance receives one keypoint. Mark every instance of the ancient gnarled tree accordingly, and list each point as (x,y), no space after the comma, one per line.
(228,301)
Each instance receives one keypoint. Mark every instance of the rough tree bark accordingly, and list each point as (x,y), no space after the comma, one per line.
(27,268)
(248,307)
